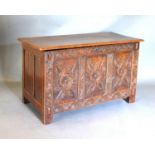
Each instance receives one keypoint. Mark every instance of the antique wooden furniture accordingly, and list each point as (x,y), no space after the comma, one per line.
(69,72)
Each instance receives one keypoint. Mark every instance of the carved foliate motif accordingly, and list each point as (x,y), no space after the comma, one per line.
(122,70)
(65,79)
(95,75)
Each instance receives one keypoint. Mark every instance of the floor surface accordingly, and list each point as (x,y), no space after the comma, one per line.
(112,119)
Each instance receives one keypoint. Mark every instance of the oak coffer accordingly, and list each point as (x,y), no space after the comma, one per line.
(69,72)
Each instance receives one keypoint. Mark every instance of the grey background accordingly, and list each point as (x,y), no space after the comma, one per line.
(115,119)
(13,27)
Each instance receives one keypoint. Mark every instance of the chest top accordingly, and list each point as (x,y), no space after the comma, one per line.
(77,40)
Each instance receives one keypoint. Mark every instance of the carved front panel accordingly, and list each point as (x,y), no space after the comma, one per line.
(65,79)
(122,70)
(87,76)
(95,75)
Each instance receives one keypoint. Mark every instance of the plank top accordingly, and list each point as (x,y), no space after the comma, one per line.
(47,43)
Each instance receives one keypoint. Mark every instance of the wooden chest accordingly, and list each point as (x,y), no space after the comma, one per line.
(69,72)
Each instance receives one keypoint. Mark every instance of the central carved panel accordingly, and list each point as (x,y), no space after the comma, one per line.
(65,79)
(95,75)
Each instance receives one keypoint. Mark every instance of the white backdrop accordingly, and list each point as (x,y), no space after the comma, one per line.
(12,27)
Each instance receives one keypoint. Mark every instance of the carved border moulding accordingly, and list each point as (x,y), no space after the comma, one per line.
(122,47)
(59,107)
(48,92)
(62,54)
(88,51)
(107,49)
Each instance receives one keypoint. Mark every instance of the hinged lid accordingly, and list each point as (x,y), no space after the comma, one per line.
(77,40)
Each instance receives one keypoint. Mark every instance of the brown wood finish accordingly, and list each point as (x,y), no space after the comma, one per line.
(62,73)
(77,40)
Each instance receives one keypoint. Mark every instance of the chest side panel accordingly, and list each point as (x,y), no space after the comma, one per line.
(33,72)
(29,71)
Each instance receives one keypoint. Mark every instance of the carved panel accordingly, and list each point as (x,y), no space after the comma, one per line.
(122,71)
(95,77)
(65,79)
